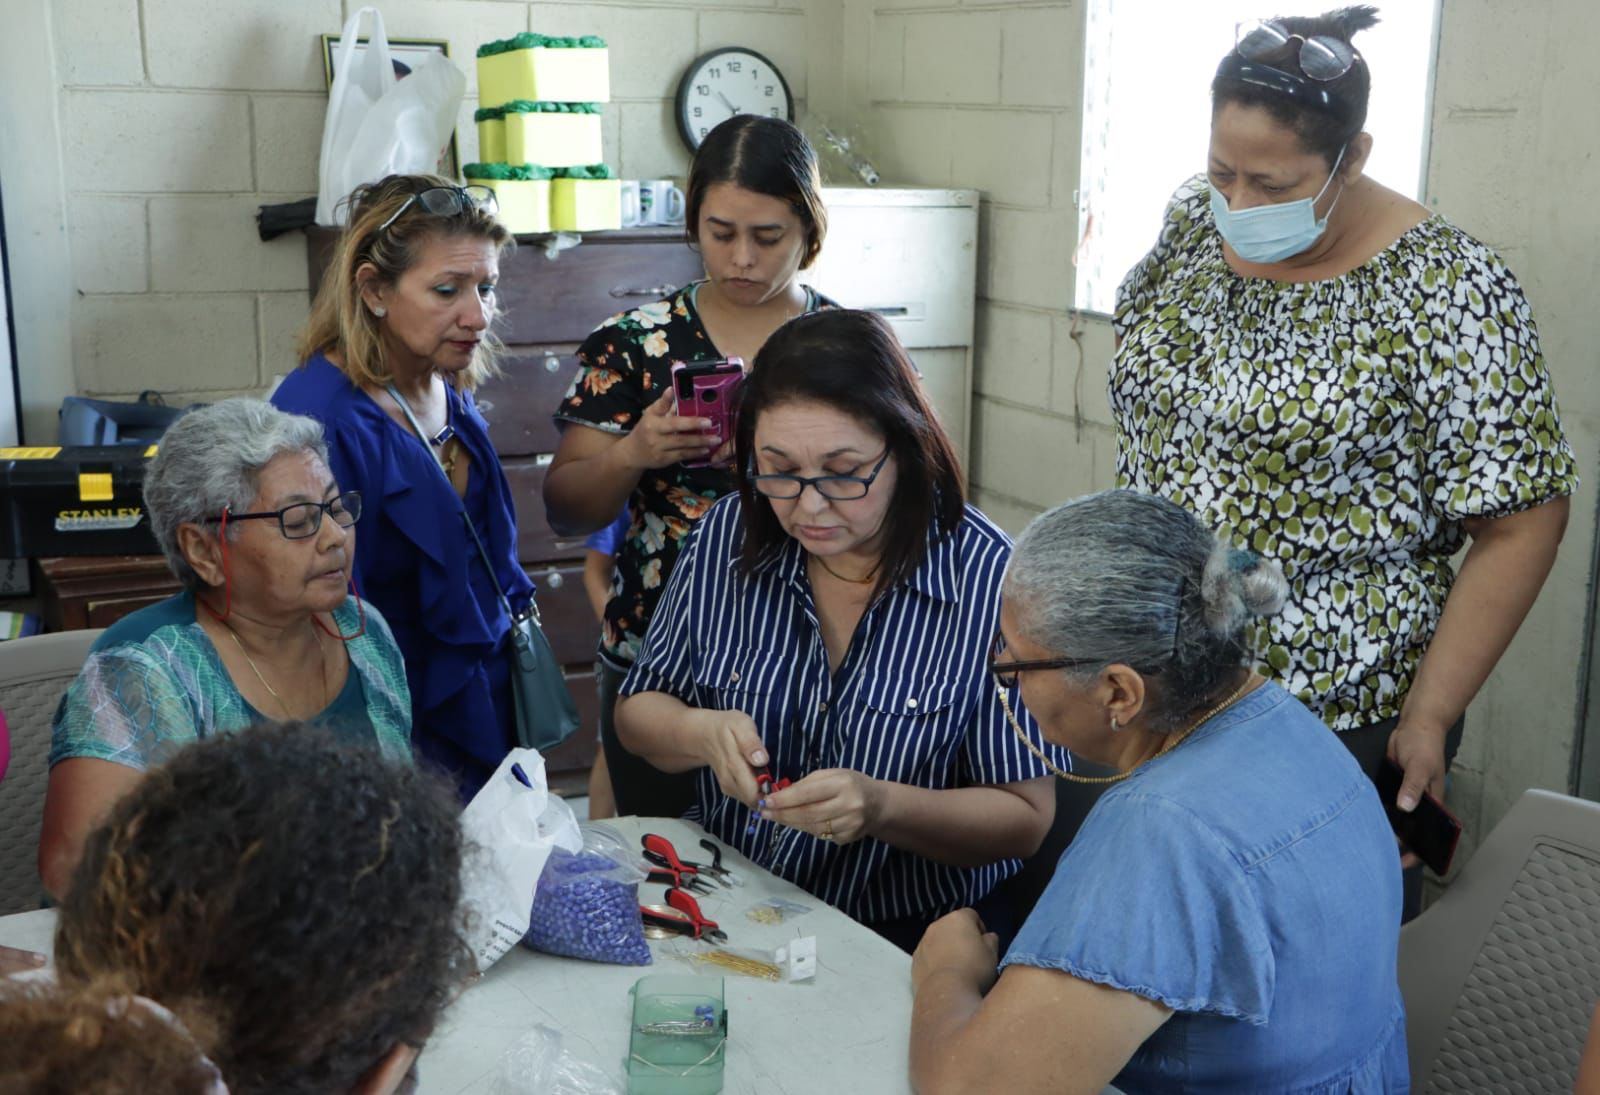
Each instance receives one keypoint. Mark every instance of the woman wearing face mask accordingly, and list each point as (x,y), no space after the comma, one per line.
(401,323)
(1353,385)
(829,625)
(754,211)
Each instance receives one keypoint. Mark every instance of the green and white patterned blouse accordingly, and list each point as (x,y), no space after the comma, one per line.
(154,682)
(1345,427)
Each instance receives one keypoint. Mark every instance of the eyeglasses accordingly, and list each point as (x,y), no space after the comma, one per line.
(449,201)
(302,520)
(835,488)
(1321,57)
(1006,672)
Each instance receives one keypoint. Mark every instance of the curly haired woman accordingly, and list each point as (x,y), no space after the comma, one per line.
(215,890)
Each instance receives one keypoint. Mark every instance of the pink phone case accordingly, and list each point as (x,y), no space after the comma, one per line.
(710,389)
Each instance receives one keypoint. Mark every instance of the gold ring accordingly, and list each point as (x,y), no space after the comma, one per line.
(827,830)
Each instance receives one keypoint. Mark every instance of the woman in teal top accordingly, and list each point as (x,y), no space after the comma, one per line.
(265,629)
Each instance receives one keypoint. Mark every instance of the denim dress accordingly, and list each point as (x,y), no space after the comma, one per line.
(1248,880)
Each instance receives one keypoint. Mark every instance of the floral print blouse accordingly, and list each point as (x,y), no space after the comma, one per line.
(623,367)
(1345,427)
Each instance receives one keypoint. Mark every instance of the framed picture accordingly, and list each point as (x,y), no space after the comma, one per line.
(404,54)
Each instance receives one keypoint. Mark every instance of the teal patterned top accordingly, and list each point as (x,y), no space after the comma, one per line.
(154,682)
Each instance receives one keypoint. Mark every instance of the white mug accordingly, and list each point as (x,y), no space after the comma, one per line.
(633,203)
(660,202)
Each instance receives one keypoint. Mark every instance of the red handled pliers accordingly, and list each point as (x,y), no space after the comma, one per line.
(765,784)
(685,903)
(659,851)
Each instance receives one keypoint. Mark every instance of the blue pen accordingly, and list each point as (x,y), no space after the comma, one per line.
(522,777)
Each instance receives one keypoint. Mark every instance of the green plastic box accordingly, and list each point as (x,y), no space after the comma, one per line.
(679,1039)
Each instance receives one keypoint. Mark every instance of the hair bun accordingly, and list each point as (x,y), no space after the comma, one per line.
(1239,584)
(1353,19)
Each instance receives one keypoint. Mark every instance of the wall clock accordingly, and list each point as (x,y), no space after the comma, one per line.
(725,82)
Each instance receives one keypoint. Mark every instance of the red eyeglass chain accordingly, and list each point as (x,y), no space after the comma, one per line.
(227,594)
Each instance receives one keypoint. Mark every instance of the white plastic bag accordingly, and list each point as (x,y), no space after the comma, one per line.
(538,1064)
(511,826)
(377,125)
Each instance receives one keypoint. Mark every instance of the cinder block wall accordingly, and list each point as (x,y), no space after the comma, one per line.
(967,93)
(179,117)
(1513,161)
(987,95)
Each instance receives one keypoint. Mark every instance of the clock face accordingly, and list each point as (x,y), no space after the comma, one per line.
(726,82)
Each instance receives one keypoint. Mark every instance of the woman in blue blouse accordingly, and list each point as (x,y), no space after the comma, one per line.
(807,635)
(406,305)
(1227,918)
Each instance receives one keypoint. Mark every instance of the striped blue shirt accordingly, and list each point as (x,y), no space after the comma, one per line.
(913,701)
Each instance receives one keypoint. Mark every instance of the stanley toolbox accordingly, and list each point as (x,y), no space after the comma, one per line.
(80,500)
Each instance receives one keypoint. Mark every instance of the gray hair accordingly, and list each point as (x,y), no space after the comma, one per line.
(210,460)
(1124,577)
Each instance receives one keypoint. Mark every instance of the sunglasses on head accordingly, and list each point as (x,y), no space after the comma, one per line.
(448,201)
(1321,57)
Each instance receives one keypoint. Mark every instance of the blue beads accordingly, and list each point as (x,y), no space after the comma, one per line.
(581,912)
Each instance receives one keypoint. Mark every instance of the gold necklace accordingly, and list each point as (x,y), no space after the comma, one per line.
(273,692)
(1171,743)
(871,574)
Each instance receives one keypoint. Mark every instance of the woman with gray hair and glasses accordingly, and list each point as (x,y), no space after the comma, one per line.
(1228,915)
(251,521)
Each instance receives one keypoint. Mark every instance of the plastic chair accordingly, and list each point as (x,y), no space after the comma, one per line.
(1501,974)
(34,672)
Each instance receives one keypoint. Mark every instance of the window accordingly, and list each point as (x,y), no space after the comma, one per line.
(1147,113)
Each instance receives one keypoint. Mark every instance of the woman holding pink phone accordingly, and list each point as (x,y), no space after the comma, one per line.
(754,212)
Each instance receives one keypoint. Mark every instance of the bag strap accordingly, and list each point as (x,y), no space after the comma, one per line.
(465,517)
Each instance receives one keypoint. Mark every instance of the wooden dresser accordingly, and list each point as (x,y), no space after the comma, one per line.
(550,304)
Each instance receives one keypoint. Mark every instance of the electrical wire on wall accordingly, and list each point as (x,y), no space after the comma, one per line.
(11,380)
(1075,331)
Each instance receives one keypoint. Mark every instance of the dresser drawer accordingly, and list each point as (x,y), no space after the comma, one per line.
(565,613)
(564,298)
(537,542)
(519,402)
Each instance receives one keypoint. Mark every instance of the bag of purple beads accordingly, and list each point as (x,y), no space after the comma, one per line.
(587,905)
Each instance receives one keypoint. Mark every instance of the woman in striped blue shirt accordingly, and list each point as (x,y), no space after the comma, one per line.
(829,625)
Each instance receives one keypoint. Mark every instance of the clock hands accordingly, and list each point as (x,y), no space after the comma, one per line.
(726,103)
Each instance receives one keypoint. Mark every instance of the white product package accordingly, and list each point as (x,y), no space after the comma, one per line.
(511,826)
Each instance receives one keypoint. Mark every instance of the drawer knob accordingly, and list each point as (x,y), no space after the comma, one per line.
(552,363)
(554,580)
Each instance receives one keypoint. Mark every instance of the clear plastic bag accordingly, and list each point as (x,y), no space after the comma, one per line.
(775,910)
(538,1064)
(587,904)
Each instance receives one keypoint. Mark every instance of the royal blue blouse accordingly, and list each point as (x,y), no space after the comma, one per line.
(912,702)
(416,562)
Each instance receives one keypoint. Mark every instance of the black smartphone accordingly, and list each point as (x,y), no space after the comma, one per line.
(1430,831)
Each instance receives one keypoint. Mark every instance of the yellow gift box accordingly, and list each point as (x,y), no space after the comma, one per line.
(492,141)
(524,203)
(564,75)
(585,205)
(554,140)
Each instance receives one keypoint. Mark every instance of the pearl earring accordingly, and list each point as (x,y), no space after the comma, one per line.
(1115,725)
(379,311)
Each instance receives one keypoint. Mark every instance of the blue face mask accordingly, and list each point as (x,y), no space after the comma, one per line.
(1272,233)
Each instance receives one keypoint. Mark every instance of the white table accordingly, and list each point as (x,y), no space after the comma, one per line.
(844,1032)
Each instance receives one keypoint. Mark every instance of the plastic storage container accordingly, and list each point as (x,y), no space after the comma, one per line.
(679,1040)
